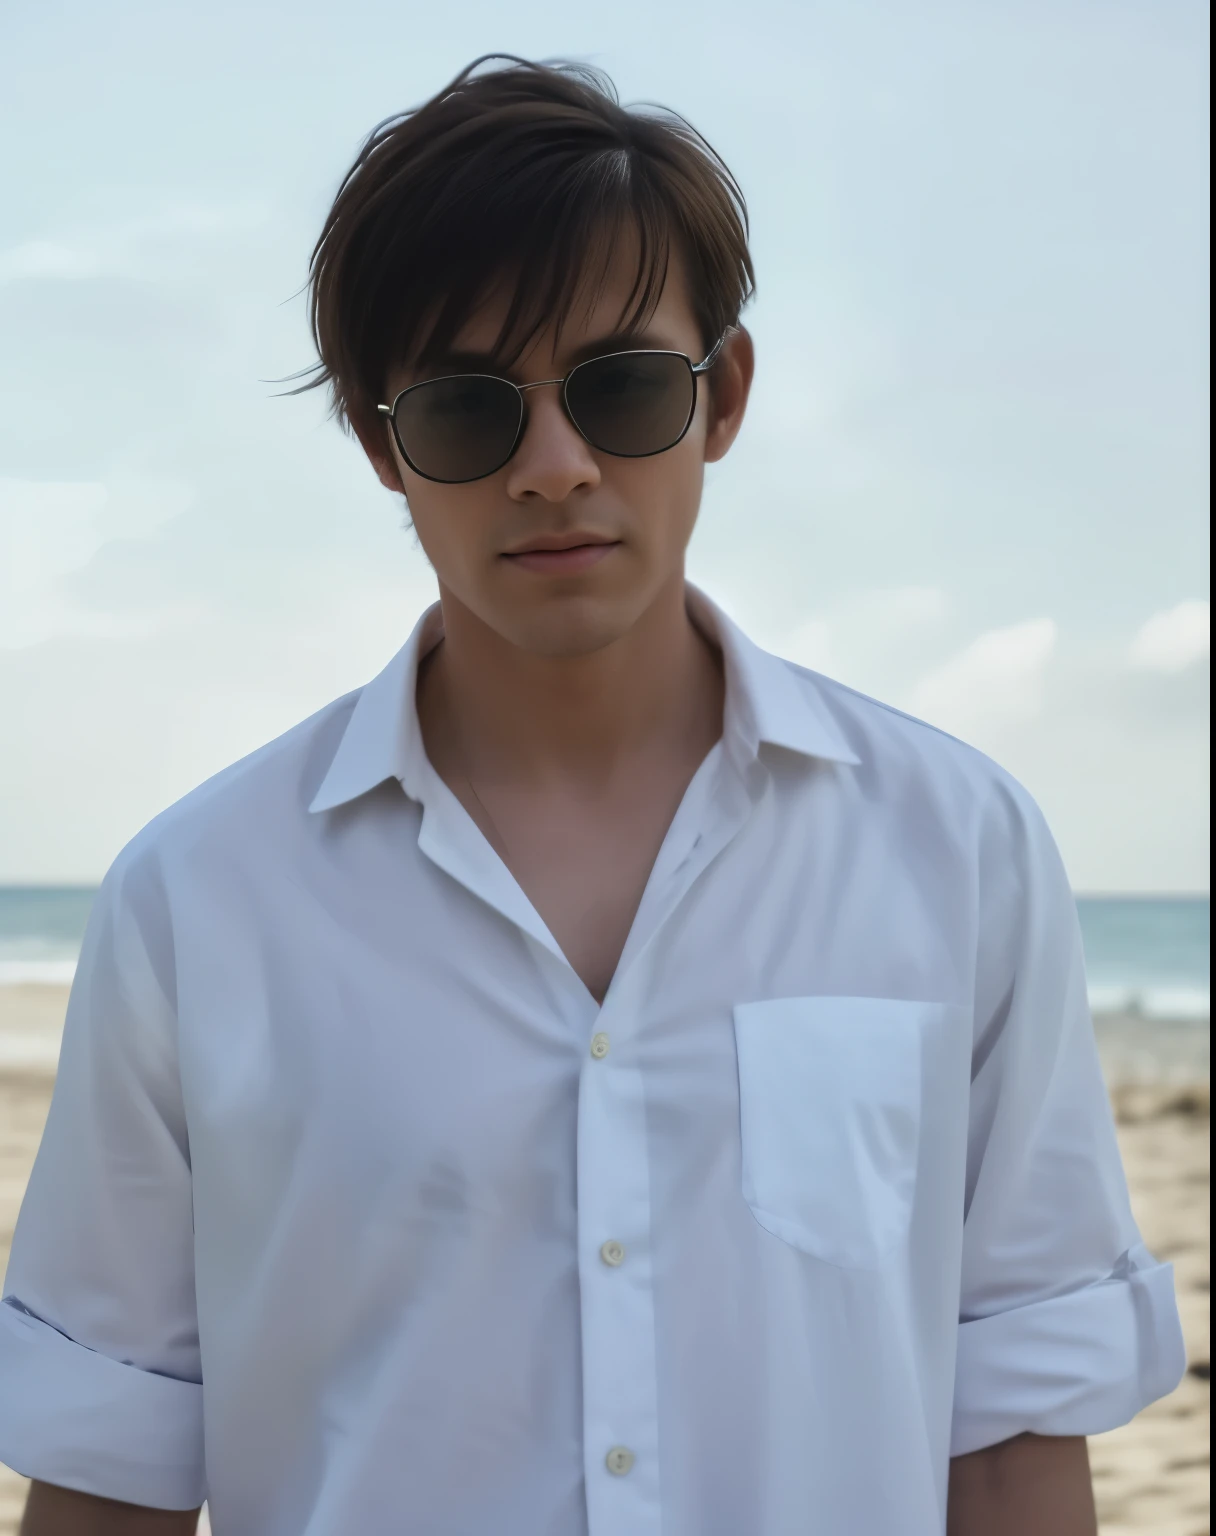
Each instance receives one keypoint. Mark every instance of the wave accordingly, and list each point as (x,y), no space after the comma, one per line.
(26,1052)
(1192,1004)
(37,973)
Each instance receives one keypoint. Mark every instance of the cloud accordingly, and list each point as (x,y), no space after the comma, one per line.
(811,645)
(50,530)
(152,718)
(136,246)
(1174,640)
(994,682)
(854,638)
(913,605)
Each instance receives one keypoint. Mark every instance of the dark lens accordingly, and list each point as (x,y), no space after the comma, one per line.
(632,403)
(459,428)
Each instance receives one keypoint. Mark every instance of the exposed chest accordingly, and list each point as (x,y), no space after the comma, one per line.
(420,1067)
(583,859)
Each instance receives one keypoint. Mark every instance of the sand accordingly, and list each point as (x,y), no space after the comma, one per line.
(1151,1476)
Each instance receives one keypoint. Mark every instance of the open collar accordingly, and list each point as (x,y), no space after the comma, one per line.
(767,701)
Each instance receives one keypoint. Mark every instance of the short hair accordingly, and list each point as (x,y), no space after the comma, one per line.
(526,172)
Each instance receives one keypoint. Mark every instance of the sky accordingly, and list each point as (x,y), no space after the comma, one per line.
(973,478)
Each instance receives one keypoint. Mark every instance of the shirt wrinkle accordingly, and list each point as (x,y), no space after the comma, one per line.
(459,1249)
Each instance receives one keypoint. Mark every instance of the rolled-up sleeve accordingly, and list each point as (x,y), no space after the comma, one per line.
(100,1379)
(1068,1325)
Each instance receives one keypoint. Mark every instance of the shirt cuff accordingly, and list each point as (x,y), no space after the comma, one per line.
(76,1418)
(1077,1364)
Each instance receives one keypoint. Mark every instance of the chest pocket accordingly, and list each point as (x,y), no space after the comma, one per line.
(830,1105)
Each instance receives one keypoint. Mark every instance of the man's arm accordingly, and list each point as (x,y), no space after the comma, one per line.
(1038,1483)
(1067,1324)
(52,1511)
(100,1369)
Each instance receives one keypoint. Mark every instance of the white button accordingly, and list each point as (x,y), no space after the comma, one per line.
(613,1253)
(619,1460)
(599,1046)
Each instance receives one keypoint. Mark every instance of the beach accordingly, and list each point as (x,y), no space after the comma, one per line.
(1151,1476)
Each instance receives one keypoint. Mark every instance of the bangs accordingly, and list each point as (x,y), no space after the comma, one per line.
(552,277)
(526,181)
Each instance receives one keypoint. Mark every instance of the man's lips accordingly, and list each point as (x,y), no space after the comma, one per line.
(567,560)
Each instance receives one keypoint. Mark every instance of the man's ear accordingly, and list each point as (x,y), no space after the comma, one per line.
(730,386)
(376,442)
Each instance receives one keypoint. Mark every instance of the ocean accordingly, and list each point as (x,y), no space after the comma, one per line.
(1145,955)
(1147,960)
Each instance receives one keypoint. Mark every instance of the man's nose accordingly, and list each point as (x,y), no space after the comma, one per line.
(552,460)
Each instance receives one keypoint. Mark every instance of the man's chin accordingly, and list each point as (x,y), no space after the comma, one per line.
(567,626)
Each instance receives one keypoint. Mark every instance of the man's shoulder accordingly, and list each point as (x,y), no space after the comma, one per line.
(253,801)
(948,801)
(897,751)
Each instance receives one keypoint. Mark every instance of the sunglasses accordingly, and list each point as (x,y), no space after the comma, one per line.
(466,426)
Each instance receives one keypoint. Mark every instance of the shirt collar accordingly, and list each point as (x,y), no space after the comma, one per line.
(767,701)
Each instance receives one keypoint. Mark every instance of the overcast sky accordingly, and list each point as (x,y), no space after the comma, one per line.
(973,481)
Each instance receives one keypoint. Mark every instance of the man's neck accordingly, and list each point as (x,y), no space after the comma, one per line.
(508,714)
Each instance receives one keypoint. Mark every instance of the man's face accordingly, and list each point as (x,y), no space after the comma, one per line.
(628,520)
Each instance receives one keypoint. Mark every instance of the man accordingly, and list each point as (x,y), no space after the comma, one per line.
(598,1077)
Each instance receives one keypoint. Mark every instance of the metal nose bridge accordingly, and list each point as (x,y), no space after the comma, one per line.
(540,384)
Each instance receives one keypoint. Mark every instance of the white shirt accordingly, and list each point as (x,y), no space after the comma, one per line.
(354,1212)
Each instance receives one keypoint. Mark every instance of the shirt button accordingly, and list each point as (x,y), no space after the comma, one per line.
(613,1253)
(599,1046)
(619,1460)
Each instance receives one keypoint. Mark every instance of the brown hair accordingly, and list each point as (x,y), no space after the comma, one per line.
(526,171)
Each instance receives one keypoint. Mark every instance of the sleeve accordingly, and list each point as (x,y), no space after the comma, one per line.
(1067,1325)
(100,1379)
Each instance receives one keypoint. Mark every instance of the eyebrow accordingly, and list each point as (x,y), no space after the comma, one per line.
(457,360)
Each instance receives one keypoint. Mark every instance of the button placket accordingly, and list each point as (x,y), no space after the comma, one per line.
(620,1409)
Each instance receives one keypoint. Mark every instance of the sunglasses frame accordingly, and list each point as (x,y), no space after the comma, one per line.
(695,370)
